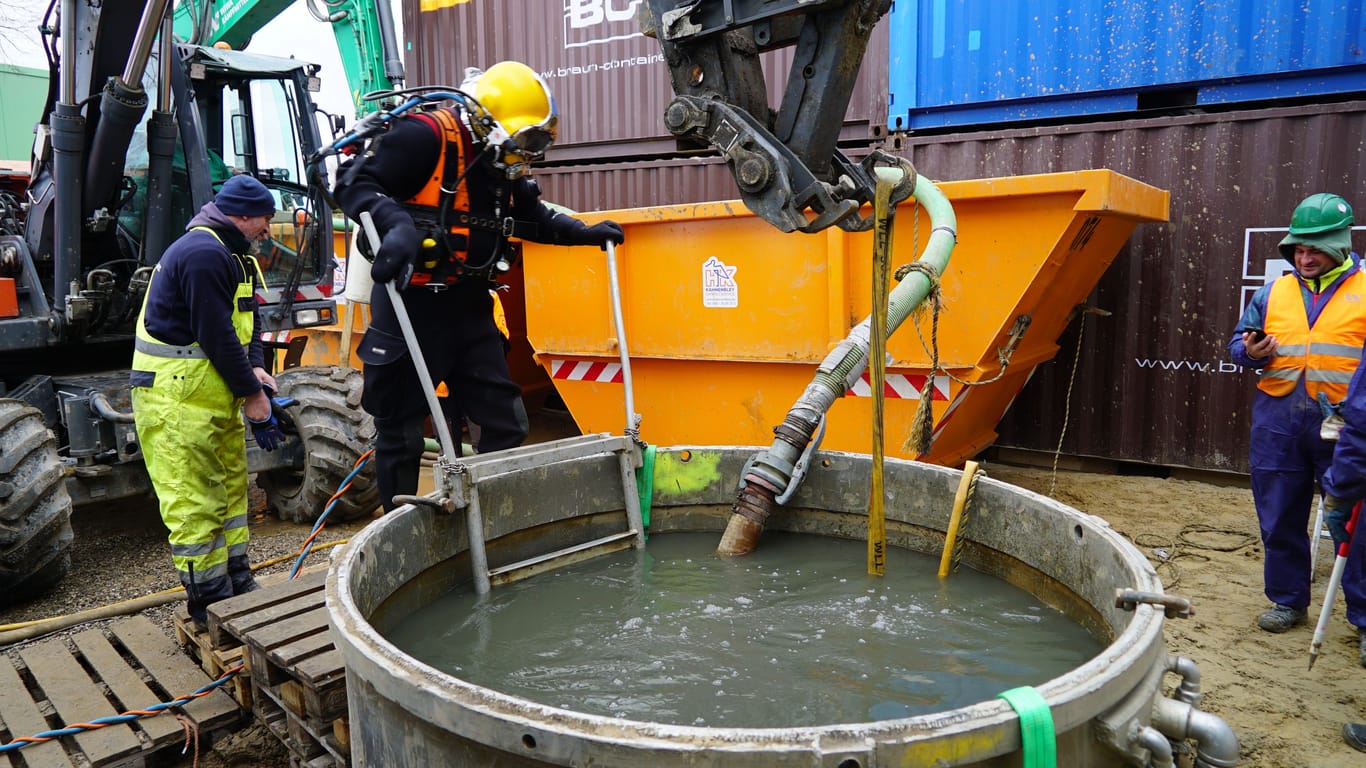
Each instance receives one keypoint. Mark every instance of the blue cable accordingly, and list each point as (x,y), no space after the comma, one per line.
(299,562)
(151,711)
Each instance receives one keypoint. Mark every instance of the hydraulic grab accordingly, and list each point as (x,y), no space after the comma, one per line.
(785,162)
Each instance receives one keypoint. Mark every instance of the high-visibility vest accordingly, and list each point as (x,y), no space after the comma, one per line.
(151,354)
(1327,354)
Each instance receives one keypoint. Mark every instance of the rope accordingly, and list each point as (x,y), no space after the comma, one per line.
(124,717)
(964,517)
(1164,552)
(922,426)
(1067,405)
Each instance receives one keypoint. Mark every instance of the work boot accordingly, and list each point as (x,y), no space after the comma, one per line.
(1355,735)
(239,572)
(1281,618)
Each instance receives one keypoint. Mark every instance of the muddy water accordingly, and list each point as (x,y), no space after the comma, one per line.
(795,634)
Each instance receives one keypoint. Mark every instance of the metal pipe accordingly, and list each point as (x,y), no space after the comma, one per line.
(393,59)
(1157,745)
(142,42)
(67,126)
(632,418)
(100,406)
(1216,743)
(122,105)
(161,134)
(771,471)
(1189,691)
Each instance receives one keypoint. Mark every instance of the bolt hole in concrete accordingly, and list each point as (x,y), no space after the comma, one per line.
(851,763)
(1077,531)
(528,741)
(796,634)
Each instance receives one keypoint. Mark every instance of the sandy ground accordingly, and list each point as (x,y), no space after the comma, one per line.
(1202,536)
(1257,682)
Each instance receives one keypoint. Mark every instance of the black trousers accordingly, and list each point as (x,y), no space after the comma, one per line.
(461,346)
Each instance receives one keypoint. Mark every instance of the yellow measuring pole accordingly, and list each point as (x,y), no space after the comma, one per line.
(956,517)
(877,372)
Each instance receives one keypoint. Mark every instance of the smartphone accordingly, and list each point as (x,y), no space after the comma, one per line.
(1257,336)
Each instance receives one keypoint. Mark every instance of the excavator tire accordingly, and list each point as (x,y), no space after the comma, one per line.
(35,509)
(335,431)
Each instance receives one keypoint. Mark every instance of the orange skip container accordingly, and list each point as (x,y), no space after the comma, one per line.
(727,319)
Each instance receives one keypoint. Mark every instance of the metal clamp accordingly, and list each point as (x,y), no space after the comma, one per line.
(803,464)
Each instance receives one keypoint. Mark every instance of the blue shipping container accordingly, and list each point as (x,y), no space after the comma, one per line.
(969,62)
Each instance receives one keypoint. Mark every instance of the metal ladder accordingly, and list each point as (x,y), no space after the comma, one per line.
(467,475)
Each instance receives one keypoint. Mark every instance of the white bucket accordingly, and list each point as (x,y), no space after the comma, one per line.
(358,282)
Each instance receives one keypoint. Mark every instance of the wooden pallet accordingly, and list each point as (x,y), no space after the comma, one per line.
(214,659)
(129,664)
(298,681)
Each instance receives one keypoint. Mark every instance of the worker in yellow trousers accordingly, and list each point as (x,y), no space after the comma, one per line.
(198,366)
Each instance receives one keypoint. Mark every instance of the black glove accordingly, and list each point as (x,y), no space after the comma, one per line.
(601,233)
(277,410)
(1336,515)
(397,250)
(267,432)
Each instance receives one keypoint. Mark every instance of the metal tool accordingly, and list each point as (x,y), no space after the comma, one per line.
(443,431)
(1334,581)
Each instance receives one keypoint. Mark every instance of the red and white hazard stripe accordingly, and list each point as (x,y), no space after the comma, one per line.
(582,370)
(901,387)
(280,336)
(948,412)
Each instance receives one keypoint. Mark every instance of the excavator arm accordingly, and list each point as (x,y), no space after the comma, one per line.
(364,30)
(785,161)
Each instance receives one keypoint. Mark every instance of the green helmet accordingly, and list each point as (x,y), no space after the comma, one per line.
(1322,212)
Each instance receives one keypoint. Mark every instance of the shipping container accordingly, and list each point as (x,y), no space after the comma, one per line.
(24,89)
(971,62)
(1154,383)
(609,80)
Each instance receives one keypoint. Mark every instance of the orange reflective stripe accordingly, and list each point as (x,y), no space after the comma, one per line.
(1325,355)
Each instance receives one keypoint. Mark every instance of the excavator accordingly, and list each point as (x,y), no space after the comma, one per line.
(150,109)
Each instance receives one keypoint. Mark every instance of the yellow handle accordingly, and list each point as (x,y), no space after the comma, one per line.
(956,517)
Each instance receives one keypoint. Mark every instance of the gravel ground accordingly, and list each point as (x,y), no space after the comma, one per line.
(120,553)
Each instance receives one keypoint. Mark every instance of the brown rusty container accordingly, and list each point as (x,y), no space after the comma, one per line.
(609,80)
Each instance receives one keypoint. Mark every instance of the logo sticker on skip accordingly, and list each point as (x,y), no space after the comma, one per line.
(719,288)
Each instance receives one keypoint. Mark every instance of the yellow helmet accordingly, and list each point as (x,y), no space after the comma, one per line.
(522,104)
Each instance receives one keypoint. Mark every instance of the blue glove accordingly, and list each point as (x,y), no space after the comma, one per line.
(1336,514)
(267,432)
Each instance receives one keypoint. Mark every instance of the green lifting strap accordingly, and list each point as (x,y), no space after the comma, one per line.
(1038,741)
(645,484)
